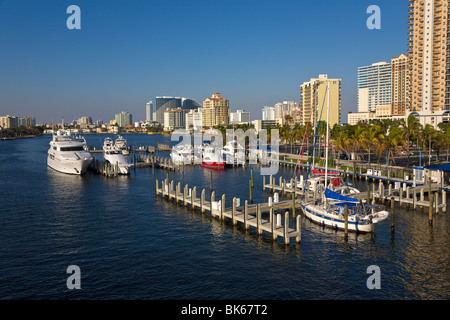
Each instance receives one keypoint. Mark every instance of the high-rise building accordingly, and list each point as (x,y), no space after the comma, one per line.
(400,85)
(285,108)
(268,113)
(193,119)
(83,122)
(161,104)
(216,110)
(374,86)
(26,122)
(174,118)
(429,48)
(9,122)
(149,111)
(240,116)
(124,119)
(314,103)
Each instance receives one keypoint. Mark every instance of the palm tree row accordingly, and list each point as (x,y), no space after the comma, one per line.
(384,138)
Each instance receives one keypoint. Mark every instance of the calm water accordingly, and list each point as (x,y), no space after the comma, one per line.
(131,245)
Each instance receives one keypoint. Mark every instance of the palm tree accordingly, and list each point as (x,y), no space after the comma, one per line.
(342,141)
(445,129)
(393,140)
(411,128)
(371,138)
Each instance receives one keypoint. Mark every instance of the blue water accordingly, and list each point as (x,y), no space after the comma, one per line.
(131,245)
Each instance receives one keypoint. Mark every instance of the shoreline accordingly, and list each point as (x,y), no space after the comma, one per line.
(20,137)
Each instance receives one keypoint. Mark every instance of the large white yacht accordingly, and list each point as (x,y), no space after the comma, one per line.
(68,154)
(121,144)
(115,157)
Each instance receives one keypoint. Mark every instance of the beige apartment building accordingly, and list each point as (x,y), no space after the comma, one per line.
(314,103)
(215,111)
(427,43)
(401,85)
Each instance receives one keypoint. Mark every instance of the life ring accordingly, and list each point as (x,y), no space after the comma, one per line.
(340,216)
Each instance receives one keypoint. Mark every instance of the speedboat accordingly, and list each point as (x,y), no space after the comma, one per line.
(182,154)
(68,154)
(121,144)
(114,156)
(233,153)
(212,159)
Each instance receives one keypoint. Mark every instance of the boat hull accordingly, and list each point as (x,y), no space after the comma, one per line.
(119,161)
(213,165)
(319,216)
(77,167)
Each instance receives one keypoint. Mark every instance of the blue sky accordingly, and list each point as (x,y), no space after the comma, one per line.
(255,53)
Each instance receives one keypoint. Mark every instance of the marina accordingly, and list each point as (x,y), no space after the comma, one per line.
(121,226)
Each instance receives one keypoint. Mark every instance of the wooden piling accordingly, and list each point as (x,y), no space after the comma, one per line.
(430,211)
(233,212)
(298,238)
(246,226)
(293,205)
(202,201)
(258,219)
(193,194)
(222,207)
(213,194)
(392,214)
(285,228)
(346,221)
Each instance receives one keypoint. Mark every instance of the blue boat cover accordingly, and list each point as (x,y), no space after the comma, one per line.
(441,167)
(336,196)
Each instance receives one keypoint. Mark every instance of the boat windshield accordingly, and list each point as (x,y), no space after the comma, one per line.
(76,148)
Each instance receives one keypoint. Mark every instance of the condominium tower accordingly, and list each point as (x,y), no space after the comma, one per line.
(400,85)
(314,102)
(374,86)
(430,58)
(123,119)
(215,111)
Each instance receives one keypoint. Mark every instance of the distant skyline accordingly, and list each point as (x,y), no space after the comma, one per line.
(255,53)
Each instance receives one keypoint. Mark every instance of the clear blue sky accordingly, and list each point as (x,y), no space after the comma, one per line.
(255,52)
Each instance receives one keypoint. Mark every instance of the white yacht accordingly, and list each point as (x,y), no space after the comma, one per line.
(115,156)
(121,144)
(182,154)
(233,154)
(212,158)
(68,154)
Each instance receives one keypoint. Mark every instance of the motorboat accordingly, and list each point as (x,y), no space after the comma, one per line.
(121,144)
(212,158)
(233,153)
(68,154)
(182,154)
(114,156)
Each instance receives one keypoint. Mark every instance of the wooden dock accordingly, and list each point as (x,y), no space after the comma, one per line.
(153,161)
(401,193)
(250,215)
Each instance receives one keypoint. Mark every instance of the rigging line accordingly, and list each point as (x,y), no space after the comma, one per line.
(315,140)
(305,135)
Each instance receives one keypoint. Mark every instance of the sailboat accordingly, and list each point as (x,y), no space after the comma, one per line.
(331,211)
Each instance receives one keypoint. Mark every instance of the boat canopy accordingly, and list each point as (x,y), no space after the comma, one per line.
(316,171)
(342,204)
(329,194)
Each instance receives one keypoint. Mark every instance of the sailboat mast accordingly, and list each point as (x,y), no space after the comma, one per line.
(328,129)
